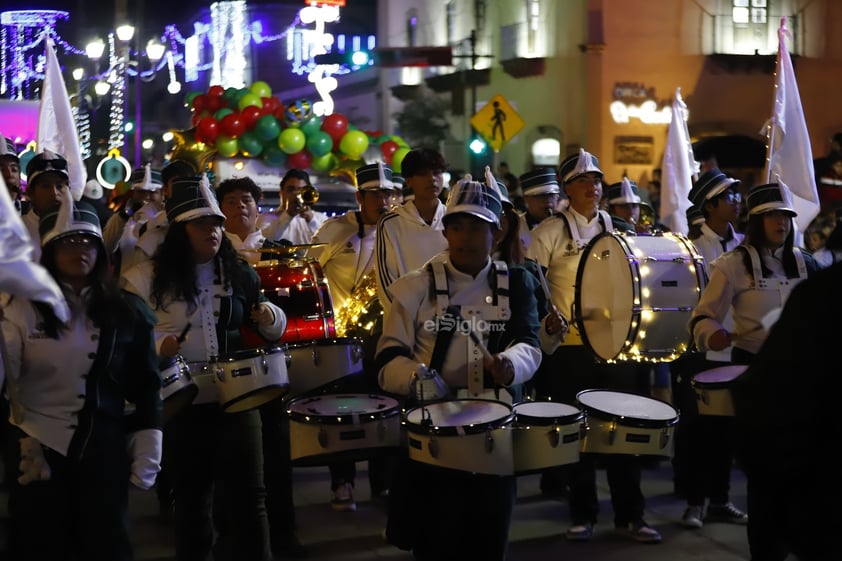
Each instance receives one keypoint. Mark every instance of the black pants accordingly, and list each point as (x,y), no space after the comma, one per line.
(562,375)
(215,461)
(277,473)
(449,515)
(81,512)
(704,444)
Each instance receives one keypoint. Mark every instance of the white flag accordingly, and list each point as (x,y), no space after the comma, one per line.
(56,126)
(678,169)
(19,275)
(789,157)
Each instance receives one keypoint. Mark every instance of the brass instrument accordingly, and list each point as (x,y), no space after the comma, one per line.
(647,218)
(361,315)
(308,196)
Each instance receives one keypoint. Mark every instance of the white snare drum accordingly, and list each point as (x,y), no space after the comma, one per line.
(464,434)
(634,295)
(316,363)
(329,428)
(545,434)
(177,387)
(713,389)
(626,423)
(250,378)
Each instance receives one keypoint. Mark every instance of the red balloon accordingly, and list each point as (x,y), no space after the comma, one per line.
(214,103)
(270,105)
(336,125)
(280,113)
(250,116)
(207,129)
(300,160)
(200,103)
(216,91)
(388,150)
(198,116)
(232,125)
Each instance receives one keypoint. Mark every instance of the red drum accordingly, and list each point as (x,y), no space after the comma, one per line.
(300,289)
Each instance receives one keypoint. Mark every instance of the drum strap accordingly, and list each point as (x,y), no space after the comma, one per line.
(443,339)
(762,283)
(570,221)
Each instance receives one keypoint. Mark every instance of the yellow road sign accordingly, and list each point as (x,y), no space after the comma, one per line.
(497,122)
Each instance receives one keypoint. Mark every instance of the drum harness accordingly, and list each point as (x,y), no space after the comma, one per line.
(448,315)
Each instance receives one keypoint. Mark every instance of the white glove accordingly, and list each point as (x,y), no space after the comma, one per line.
(145,450)
(427,385)
(33,465)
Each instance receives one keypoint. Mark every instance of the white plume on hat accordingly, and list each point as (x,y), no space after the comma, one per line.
(207,193)
(786,193)
(474,198)
(626,195)
(584,164)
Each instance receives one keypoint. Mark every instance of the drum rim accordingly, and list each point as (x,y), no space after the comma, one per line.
(326,342)
(458,430)
(244,354)
(625,420)
(718,384)
(525,419)
(341,420)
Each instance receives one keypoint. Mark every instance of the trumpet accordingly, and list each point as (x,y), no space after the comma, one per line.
(308,196)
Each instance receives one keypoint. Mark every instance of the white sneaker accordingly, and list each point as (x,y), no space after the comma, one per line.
(343,498)
(692,517)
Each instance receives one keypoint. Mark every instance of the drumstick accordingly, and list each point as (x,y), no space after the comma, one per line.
(543,281)
(481,346)
(183,335)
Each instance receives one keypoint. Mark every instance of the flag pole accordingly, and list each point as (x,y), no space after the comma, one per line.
(771,131)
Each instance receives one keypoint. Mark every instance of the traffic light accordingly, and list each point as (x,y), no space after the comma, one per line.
(390,57)
(477,145)
(351,59)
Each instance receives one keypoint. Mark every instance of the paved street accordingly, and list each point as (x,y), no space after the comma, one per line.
(536,532)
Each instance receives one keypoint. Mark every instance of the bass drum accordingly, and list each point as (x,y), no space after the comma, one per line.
(299,287)
(634,295)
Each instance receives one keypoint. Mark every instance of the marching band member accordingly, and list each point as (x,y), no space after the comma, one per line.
(624,202)
(441,513)
(214,458)
(68,385)
(541,195)
(346,260)
(46,178)
(293,220)
(703,445)
(411,234)
(753,280)
(557,244)
(238,200)
(10,170)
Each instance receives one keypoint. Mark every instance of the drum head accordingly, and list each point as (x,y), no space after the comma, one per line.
(721,376)
(460,415)
(545,412)
(636,410)
(605,295)
(338,409)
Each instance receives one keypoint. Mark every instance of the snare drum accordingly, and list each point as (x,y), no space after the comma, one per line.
(177,387)
(545,434)
(626,423)
(314,364)
(325,429)
(470,435)
(634,295)
(248,379)
(713,389)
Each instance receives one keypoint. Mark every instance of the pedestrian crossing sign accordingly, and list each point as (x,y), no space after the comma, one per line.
(497,122)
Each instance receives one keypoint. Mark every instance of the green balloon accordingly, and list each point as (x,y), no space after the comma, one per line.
(324,163)
(267,128)
(273,155)
(226,146)
(292,140)
(319,143)
(189,97)
(397,158)
(230,93)
(249,99)
(250,144)
(261,89)
(311,125)
(354,144)
(222,112)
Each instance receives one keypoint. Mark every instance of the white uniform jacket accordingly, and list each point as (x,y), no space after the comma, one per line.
(347,257)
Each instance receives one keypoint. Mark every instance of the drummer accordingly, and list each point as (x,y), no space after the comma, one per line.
(557,244)
(196,282)
(441,513)
(346,259)
(238,200)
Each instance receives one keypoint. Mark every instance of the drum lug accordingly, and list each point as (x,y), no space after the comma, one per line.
(489,442)
(665,438)
(433,446)
(356,352)
(555,436)
(583,430)
(703,397)
(612,433)
(323,440)
(264,364)
(288,358)
(316,356)
(220,372)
